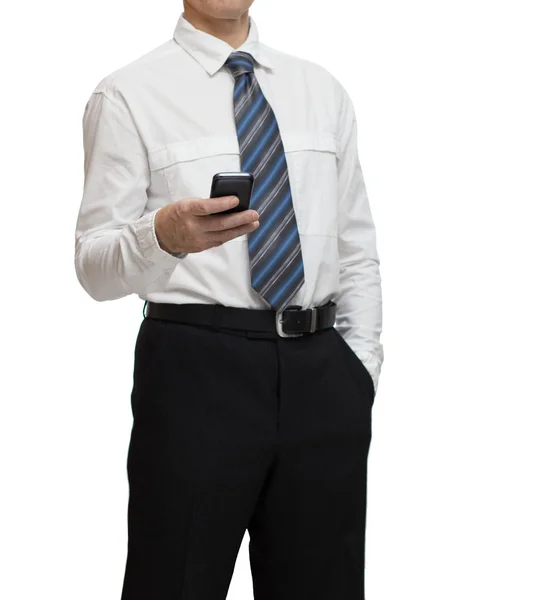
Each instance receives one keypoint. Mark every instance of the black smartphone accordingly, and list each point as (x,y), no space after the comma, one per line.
(233,184)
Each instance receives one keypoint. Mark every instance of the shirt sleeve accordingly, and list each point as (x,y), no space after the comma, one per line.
(116,249)
(359,316)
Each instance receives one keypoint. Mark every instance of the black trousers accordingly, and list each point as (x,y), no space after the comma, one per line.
(235,432)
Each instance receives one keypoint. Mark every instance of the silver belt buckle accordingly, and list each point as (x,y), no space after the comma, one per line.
(279,326)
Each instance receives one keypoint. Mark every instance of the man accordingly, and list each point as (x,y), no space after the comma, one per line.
(252,411)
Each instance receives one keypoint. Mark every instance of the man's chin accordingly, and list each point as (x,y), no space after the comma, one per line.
(221,9)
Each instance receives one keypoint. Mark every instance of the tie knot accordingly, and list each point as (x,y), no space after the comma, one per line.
(239,63)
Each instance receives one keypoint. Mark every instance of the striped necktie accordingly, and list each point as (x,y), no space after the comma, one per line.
(277,270)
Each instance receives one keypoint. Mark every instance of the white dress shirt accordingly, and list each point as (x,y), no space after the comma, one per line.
(158,129)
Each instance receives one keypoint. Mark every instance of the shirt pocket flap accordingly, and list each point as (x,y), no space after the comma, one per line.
(192,150)
(299,141)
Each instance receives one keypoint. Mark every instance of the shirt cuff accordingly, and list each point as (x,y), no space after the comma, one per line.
(148,243)
(373,366)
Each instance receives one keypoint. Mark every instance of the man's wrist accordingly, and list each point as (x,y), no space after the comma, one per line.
(157,225)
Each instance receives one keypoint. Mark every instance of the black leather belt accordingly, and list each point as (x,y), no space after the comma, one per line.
(291,322)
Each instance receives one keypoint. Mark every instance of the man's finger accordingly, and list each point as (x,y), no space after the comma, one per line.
(209,206)
(230,221)
(229,234)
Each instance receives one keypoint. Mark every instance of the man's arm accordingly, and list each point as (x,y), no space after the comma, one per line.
(121,249)
(359,316)
(117,252)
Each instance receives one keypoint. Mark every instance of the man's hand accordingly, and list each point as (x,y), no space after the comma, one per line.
(192,225)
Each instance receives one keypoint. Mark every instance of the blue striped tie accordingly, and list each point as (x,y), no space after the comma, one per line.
(277,270)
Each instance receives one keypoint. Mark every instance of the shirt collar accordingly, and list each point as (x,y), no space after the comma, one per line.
(212,52)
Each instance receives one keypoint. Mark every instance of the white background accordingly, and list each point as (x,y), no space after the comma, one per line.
(449,103)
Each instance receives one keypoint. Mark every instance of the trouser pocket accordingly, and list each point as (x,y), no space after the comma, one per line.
(356,366)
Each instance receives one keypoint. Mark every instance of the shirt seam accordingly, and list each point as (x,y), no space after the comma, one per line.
(106,95)
(334,237)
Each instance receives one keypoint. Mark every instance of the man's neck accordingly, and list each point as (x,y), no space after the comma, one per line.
(232,31)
